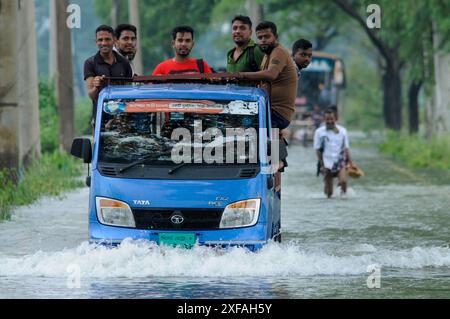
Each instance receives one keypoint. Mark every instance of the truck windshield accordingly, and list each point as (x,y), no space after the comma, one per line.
(179,131)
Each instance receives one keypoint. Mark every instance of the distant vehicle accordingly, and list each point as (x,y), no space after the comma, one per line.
(139,189)
(321,85)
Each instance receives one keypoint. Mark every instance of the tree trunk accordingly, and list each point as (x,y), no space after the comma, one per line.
(9,110)
(64,83)
(392,84)
(413,102)
(441,112)
(392,97)
(133,9)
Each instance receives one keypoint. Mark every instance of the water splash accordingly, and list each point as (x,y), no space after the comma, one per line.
(138,259)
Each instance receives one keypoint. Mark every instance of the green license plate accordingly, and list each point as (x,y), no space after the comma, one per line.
(186,240)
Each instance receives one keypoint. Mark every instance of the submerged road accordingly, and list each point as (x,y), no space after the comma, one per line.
(389,239)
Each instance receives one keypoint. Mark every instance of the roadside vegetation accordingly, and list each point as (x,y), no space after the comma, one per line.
(53,173)
(417,151)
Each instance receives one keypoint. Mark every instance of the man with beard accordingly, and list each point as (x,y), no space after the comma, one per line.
(246,56)
(302,53)
(182,43)
(126,42)
(106,63)
(332,150)
(278,68)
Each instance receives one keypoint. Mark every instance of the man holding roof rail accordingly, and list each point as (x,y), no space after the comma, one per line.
(106,63)
(246,56)
(279,69)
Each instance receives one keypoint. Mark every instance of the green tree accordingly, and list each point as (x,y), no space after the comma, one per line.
(316,20)
(387,40)
(158,18)
(404,42)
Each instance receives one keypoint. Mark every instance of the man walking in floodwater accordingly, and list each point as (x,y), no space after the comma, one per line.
(332,150)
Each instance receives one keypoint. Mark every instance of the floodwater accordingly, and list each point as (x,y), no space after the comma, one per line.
(388,239)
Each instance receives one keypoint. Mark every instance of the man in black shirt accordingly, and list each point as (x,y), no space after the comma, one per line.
(106,63)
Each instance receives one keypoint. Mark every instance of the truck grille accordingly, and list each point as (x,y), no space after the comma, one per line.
(177,219)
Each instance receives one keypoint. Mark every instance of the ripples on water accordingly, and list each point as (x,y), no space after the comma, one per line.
(328,245)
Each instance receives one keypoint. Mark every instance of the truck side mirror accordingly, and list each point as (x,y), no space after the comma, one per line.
(81,148)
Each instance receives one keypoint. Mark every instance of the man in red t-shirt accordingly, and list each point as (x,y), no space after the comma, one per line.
(183,42)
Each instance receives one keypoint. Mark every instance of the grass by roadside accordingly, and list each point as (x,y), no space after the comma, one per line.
(51,175)
(54,172)
(416,151)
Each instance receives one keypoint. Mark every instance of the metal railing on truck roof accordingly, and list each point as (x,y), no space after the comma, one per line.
(204,78)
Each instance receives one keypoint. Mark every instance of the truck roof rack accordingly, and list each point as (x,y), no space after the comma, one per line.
(206,78)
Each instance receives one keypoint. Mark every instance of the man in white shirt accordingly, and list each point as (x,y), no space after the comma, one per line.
(332,150)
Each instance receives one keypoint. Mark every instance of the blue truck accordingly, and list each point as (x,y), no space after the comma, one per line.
(181,164)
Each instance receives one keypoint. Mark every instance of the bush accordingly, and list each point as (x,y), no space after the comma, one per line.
(52,174)
(48,116)
(417,151)
(83,114)
(55,171)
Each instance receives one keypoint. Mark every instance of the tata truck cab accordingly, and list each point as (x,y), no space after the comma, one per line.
(181,162)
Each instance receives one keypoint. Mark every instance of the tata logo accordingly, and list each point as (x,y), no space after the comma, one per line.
(141,202)
(177,219)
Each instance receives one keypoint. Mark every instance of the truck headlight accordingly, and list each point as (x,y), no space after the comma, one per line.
(115,213)
(241,214)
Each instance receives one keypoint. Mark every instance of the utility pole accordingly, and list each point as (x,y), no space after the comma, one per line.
(28,84)
(133,12)
(115,13)
(64,79)
(9,104)
(255,11)
(53,43)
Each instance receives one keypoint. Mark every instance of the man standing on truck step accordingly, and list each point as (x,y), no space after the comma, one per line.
(126,42)
(279,69)
(246,56)
(182,42)
(106,63)
(332,150)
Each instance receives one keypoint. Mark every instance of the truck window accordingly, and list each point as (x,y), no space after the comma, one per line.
(198,133)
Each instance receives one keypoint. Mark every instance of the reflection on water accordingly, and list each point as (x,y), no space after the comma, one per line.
(396,218)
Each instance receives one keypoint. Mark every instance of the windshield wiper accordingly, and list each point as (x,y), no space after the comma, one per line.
(142,160)
(177,167)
